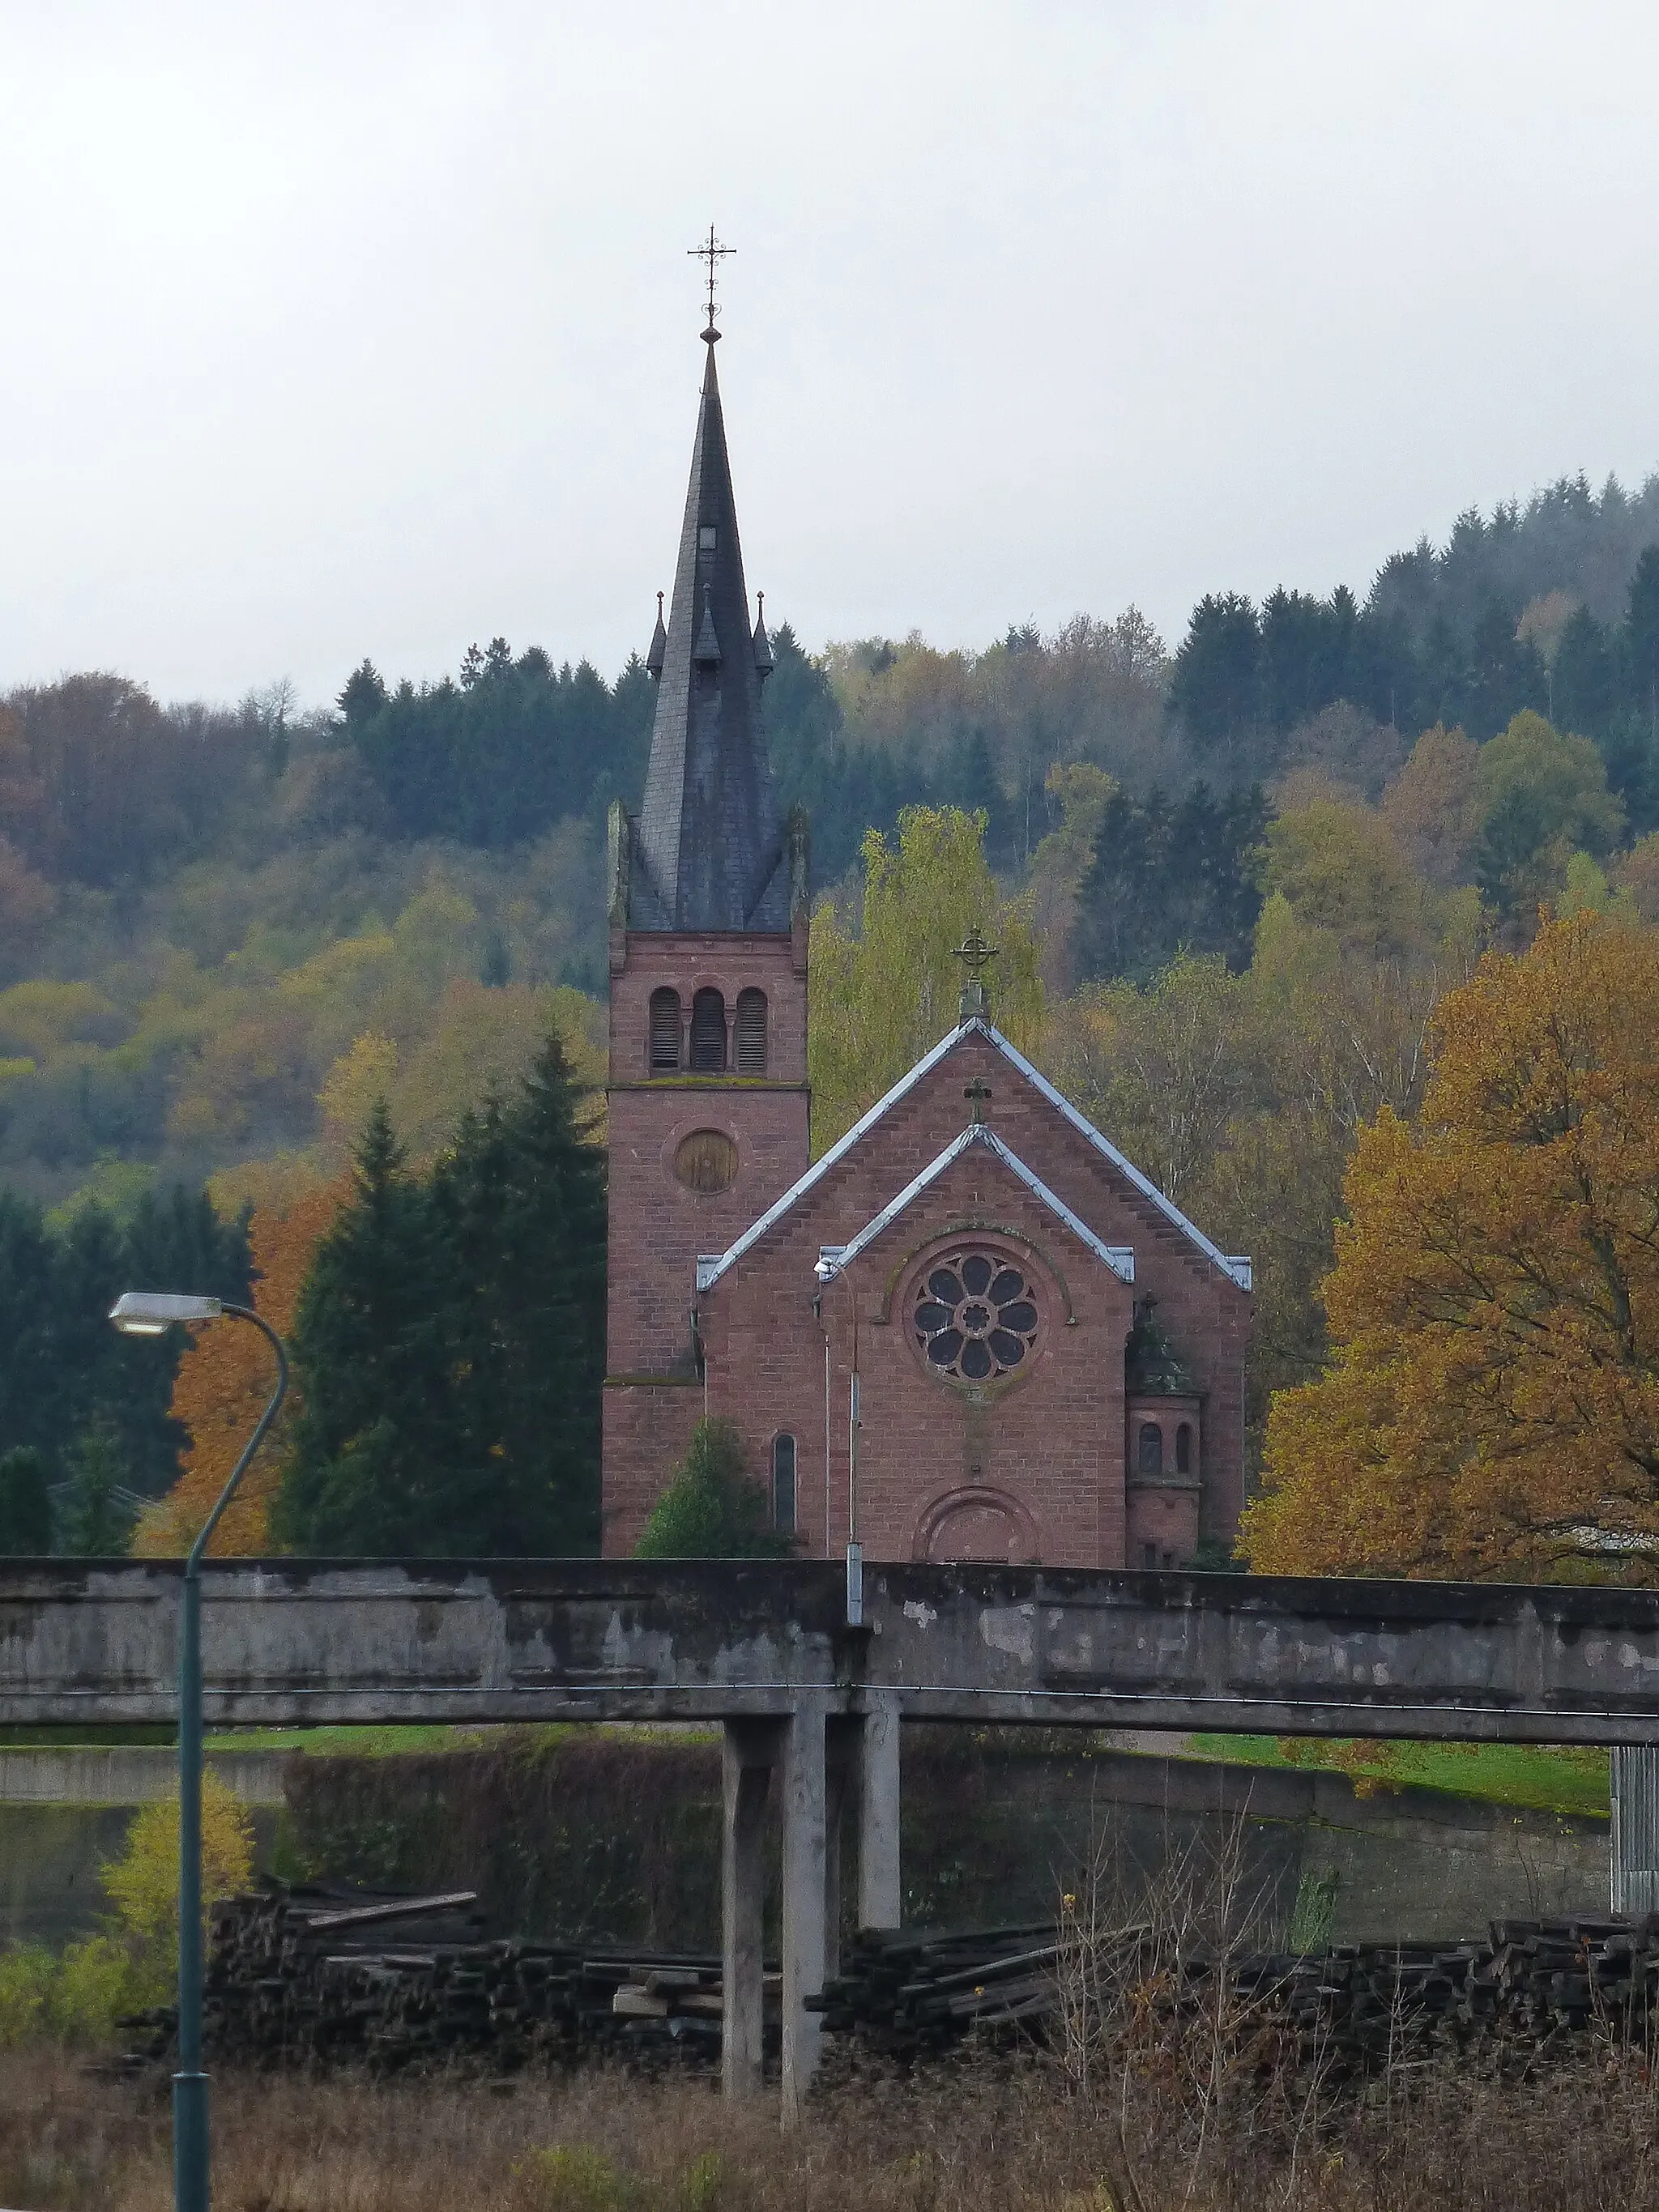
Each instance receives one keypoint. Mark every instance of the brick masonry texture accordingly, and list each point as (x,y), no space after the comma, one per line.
(1034,1466)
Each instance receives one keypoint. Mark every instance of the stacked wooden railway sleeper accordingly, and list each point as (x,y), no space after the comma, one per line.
(320,1973)
(1526,1984)
(303,1971)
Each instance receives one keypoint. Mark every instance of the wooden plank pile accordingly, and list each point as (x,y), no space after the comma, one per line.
(906,1991)
(1527,1985)
(305,1973)
(309,1973)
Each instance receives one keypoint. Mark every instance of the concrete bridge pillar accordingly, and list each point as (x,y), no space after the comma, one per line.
(1634,1853)
(828,1765)
(805,1895)
(751,1750)
(878,1799)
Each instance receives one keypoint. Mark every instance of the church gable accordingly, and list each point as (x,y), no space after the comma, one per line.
(980,1138)
(985,1323)
(907,1130)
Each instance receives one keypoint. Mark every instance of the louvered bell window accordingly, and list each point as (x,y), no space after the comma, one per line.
(708,1033)
(665,1032)
(750,1032)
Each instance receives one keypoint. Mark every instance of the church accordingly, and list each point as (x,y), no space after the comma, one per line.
(973,1330)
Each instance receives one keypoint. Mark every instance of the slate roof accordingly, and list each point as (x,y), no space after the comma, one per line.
(707,845)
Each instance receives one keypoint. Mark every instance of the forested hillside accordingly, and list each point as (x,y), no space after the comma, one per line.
(1240,874)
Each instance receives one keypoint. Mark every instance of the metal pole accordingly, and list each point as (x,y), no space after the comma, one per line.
(854,1422)
(191,2183)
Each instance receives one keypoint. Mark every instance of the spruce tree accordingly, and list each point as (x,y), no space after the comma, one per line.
(380,1463)
(100,1508)
(711,1510)
(523,1198)
(25,1505)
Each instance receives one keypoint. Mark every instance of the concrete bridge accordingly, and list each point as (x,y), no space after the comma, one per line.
(766,1650)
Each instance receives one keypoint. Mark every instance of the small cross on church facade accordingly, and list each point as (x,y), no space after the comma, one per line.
(1049,1355)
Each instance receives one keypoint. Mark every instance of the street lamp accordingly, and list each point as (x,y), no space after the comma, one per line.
(152,1313)
(830,1264)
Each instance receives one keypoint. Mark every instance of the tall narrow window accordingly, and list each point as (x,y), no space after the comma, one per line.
(709,1033)
(750,1029)
(783,1485)
(1184,1449)
(664,1032)
(1151,1457)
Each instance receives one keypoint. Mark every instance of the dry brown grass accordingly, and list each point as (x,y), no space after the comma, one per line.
(969,2135)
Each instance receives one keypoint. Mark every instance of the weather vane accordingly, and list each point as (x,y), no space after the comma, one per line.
(713,253)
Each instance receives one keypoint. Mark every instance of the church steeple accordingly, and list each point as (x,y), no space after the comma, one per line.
(708,841)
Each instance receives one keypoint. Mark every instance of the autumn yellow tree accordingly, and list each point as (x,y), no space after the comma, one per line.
(882,993)
(1492,1404)
(224,1382)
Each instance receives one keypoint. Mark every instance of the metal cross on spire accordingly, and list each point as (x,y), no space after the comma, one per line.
(713,253)
(974,955)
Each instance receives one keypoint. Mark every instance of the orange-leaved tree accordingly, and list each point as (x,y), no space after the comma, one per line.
(1492,1404)
(224,1382)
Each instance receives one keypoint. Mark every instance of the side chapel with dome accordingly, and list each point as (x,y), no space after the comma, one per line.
(1045,1355)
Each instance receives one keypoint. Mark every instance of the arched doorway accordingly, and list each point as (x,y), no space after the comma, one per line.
(975,1525)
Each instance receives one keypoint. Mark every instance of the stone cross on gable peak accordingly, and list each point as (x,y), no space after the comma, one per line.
(974,955)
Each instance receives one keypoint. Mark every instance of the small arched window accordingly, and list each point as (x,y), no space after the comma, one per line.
(783,1485)
(749,1033)
(1150,1460)
(664,1032)
(708,1033)
(1184,1449)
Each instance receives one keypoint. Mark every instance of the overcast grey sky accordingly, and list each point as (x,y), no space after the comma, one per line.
(347,328)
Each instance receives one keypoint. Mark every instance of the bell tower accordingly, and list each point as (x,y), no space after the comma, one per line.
(708,911)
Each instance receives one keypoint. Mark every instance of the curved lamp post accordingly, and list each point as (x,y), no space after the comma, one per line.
(152,1313)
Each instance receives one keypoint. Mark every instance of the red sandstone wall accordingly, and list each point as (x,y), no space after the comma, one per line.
(1057,1440)
(657,1227)
(1049,1439)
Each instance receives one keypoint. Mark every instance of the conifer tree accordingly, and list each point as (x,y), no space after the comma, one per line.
(25,1506)
(450,1343)
(378,1464)
(100,1508)
(711,1510)
(522,1197)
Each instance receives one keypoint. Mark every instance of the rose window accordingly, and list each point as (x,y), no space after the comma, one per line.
(974,1316)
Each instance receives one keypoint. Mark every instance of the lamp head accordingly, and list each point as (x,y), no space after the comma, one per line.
(152,1313)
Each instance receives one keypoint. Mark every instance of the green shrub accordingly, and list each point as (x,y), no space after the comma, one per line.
(701,2183)
(574,2178)
(711,1510)
(26,1979)
(98,1979)
(78,1998)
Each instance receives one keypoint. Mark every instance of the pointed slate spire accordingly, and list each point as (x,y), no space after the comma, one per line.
(710,842)
(654,660)
(764,662)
